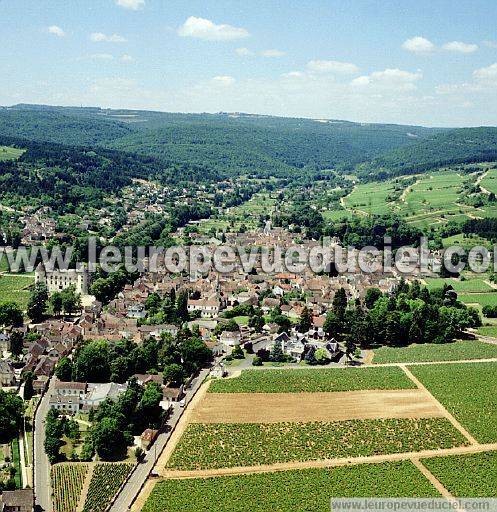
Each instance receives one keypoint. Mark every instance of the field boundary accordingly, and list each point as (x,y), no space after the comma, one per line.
(328,463)
(447,414)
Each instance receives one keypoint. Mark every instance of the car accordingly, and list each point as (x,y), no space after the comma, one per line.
(182,402)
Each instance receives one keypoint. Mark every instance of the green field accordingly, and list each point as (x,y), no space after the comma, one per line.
(370,197)
(488,330)
(463,287)
(483,299)
(14,288)
(465,241)
(16,462)
(468,391)
(467,349)
(308,490)
(313,380)
(9,153)
(489,182)
(467,476)
(219,445)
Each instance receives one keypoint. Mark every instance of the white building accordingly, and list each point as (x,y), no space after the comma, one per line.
(57,280)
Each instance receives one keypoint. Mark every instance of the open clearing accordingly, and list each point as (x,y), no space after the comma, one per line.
(10,153)
(307,407)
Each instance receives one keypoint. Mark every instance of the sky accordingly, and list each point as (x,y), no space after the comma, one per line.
(424,62)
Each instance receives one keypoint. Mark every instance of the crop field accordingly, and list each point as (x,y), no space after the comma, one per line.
(467,286)
(9,153)
(483,299)
(468,476)
(311,381)
(249,444)
(468,391)
(67,484)
(105,482)
(466,241)
(14,288)
(459,350)
(307,490)
(370,197)
(489,182)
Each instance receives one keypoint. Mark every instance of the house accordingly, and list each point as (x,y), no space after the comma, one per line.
(40,384)
(97,393)
(230,338)
(209,308)
(7,374)
(136,311)
(4,342)
(269,303)
(56,280)
(21,500)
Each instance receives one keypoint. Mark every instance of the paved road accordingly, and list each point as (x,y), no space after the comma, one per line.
(140,475)
(43,491)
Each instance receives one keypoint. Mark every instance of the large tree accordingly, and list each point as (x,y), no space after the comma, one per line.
(11,411)
(37,303)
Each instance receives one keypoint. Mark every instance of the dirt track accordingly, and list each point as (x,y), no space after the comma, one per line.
(307,407)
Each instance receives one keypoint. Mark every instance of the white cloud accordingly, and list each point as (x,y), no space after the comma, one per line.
(392,79)
(224,80)
(127,58)
(99,37)
(419,45)
(202,28)
(56,31)
(332,66)
(102,56)
(272,53)
(293,74)
(488,74)
(244,52)
(133,5)
(457,46)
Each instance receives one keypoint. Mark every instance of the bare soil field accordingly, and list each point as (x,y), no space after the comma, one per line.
(308,407)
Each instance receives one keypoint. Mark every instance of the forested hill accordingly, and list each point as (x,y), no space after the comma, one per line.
(464,145)
(225,143)
(214,146)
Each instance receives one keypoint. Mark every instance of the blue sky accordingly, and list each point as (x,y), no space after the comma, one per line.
(402,61)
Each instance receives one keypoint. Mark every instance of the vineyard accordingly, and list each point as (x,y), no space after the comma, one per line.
(436,352)
(307,490)
(210,446)
(105,482)
(67,484)
(312,381)
(453,472)
(468,391)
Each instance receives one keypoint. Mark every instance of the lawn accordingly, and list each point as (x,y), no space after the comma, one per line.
(467,476)
(16,462)
(313,380)
(307,490)
(9,153)
(489,182)
(467,349)
(220,445)
(468,391)
(14,288)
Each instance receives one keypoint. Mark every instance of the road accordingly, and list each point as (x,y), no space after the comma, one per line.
(140,475)
(43,493)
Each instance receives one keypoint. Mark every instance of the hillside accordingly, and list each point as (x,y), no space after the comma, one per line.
(231,143)
(464,145)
